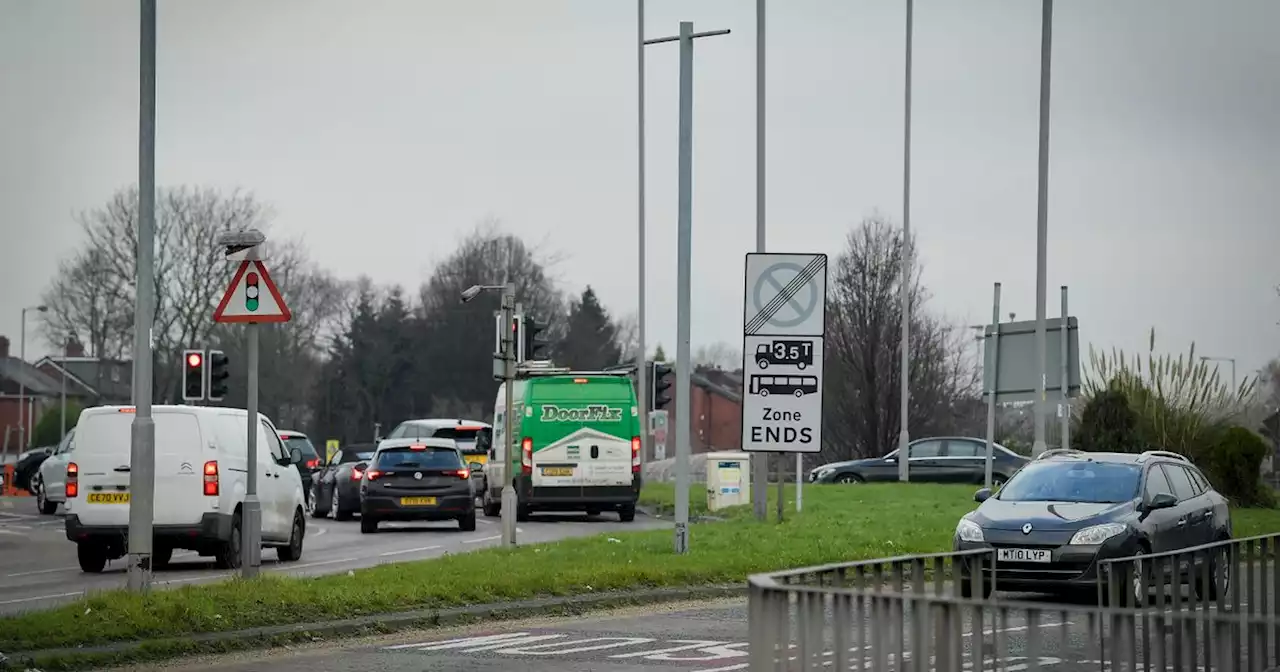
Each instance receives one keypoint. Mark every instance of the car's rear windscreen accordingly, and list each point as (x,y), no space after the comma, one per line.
(300,442)
(425,459)
(464,436)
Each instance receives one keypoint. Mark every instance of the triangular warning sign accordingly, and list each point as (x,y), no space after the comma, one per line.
(252,297)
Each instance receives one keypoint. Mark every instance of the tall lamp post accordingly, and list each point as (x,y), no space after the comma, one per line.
(1233,367)
(24,414)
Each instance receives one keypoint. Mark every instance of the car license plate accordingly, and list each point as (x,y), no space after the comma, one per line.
(557,471)
(108,498)
(476,459)
(1024,555)
(417,501)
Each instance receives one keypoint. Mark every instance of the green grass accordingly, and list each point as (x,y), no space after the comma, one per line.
(839,524)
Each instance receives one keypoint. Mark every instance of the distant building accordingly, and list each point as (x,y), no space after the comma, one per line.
(24,392)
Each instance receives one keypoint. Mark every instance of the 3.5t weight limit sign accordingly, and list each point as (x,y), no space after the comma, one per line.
(784,321)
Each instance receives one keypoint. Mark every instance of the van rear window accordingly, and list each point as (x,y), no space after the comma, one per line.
(110,433)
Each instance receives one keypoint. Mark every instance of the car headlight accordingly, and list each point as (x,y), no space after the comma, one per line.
(1092,536)
(968,530)
(822,473)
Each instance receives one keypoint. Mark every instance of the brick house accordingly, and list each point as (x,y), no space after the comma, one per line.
(20,412)
(95,381)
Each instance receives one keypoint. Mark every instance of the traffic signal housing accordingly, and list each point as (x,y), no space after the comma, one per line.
(193,378)
(218,374)
(661,377)
(535,347)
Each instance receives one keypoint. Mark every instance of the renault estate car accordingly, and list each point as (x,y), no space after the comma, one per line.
(1066,511)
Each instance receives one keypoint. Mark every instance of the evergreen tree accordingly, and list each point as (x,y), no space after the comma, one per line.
(590,342)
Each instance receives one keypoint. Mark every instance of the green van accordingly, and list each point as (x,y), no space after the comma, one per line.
(577,443)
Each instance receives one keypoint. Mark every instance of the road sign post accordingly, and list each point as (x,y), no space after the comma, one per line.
(251,299)
(783,335)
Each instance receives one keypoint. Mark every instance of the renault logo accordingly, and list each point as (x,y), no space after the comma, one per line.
(1026,529)
(418,475)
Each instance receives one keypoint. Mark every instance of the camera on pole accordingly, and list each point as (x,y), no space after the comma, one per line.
(193,379)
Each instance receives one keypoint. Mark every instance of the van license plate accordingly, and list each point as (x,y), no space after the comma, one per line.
(417,501)
(108,498)
(557,471)
(1024,555)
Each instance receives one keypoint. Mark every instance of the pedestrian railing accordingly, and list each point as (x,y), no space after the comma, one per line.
(915,613)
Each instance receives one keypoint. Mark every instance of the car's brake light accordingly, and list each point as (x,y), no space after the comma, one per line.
(356,474)
(73,480)
(418,446)
(460,473)
(635,454)
(211,478)
(373,474)
(312,464)
(526,455)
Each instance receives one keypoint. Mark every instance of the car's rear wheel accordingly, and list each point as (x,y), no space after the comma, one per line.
(467,523)
(293,552)
(523,511)
(92,557)
(627,513)
(228,555)
(46,507)
(161,555)
(335,505)
(368,524)
(491,508)
(316,511)
(848,478)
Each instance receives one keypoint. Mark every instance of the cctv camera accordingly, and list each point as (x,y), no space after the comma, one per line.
(470,293)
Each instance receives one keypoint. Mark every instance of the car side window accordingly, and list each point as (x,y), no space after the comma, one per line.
(965,449)
(1196,486)
(1181,482)
(1199,479)
(274,444)
(1157,484)
(925,449)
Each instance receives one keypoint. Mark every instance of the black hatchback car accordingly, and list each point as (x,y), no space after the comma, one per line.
(1053,522)
(416,479)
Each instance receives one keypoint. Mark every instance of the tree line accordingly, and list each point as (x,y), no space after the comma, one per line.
(359,354)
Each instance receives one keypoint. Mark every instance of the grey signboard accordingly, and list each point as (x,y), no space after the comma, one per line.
(1015,370)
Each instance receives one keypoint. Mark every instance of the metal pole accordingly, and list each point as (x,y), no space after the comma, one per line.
(684,238)
(799,482)
(642,373)
(509,500)
(991,362)
(22,389)
(760,467)
(904,435)
(142,472)
(1042,228)
(251,521)
(1066,373)
(781,463)
(63,376)
(1234,386)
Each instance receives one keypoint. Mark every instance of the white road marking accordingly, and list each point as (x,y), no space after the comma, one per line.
(42,571)
(16,534)
(37,598)
(313,564)
(482,539)
(483,521)
(211,577)
(407,550)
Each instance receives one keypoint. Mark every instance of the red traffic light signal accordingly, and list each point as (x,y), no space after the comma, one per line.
(194,359)
(193,380)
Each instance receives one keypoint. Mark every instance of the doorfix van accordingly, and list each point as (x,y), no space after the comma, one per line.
(577,443)
(200,476)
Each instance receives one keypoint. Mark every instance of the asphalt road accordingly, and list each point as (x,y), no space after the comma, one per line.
(38,566)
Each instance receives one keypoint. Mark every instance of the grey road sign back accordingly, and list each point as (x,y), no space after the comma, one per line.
(1016,370)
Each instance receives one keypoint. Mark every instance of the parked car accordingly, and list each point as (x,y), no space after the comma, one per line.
(49,482)
(1053,522)
(27,466)
(416,479)
(336,488)
(950,459)
(201,463)
(310,463)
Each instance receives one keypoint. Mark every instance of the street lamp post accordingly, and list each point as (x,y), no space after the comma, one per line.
(1232,360)
(508,351)
(24,414)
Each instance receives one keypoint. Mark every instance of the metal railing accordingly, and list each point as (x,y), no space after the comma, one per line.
(924,613)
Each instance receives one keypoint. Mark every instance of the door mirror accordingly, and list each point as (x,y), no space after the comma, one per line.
(295,455)
(1163,500)
(982,495)
(477,467)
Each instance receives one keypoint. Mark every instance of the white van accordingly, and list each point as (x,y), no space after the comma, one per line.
(200,474)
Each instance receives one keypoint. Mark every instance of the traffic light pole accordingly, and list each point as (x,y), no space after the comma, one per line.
(509,500)
(142,470)
(251,521)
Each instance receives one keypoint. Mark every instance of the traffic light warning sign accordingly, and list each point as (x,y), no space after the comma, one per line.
(252,297)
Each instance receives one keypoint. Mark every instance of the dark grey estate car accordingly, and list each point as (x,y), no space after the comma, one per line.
(948,459)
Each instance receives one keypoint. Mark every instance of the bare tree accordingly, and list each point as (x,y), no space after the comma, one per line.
(718,355)
(627,337)
(863,348)
(88,302)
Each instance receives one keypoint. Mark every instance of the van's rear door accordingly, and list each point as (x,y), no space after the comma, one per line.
(103,458)
(584,431)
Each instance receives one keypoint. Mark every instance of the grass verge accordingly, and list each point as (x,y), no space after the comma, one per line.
(839,524)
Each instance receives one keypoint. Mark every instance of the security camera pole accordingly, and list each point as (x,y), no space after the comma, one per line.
(507,352)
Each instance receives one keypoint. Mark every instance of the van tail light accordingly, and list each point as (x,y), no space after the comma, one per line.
(211,478)
(526,456)
(372,474)
(73,480)
(356,474)
(635,454)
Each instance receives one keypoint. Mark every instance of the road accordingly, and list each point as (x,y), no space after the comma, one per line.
(38,564)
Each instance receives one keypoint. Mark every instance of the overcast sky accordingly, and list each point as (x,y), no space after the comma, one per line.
(382,131)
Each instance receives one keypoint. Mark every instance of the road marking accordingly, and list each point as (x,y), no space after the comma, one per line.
(41,571)
(575,646)
(482,539)
(482,521)
(40,597)
(313,564)
(407,550)
(16,534)
(191,579)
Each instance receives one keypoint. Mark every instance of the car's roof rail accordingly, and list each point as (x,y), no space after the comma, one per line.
(1056,452)
(1165,453)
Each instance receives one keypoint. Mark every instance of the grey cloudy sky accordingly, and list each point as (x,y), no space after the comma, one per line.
(382,131)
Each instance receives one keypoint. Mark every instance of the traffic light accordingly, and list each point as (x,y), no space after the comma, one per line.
(661,384)
(193,379)
(517,337)
(535,347)
(218,375)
